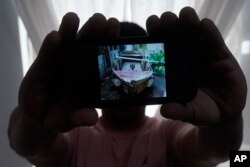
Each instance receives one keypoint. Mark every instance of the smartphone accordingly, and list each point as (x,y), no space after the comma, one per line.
(137,71)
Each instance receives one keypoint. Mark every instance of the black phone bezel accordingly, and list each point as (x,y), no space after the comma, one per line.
(180,74)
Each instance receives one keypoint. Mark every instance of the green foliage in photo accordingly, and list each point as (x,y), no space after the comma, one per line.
(159,67)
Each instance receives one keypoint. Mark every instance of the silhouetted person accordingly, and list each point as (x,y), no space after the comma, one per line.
(198,133)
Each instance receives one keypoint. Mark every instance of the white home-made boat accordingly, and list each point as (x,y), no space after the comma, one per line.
(132,72)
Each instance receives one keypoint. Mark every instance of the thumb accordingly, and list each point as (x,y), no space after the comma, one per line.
(201,111)
(62,119)
(84,117)
(181,112)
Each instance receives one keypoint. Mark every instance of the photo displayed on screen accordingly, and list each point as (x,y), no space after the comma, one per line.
(132,70)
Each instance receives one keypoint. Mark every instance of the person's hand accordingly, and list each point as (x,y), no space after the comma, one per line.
(221,83)
(42,95)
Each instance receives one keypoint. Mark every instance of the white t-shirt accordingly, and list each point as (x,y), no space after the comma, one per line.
(148,146)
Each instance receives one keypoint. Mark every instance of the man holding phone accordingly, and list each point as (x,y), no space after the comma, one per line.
(49,131)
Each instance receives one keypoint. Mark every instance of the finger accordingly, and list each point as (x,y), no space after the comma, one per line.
(56,118)
(50,44)
(69,26)
(112,28)
(93,29)
(32,100)
(131,29)
(219,53)
(200,111)
(188,25)
(46,58)
(47,54)
(189,18)
(32,91)
(37,71)
(211,34)
(168,23)
(153,25)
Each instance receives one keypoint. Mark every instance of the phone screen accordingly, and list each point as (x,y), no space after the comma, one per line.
(132,71)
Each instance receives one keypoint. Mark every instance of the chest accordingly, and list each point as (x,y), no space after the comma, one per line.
(141,150)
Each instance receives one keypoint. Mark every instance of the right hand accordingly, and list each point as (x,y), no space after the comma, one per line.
(42,99)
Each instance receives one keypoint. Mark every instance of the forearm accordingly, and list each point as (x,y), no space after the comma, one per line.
(210,145)
(31,141)
(219,139)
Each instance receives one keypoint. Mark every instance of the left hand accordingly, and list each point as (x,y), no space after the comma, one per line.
(222,87)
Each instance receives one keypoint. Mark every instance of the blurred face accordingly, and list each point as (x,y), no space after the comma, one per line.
(126,117)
